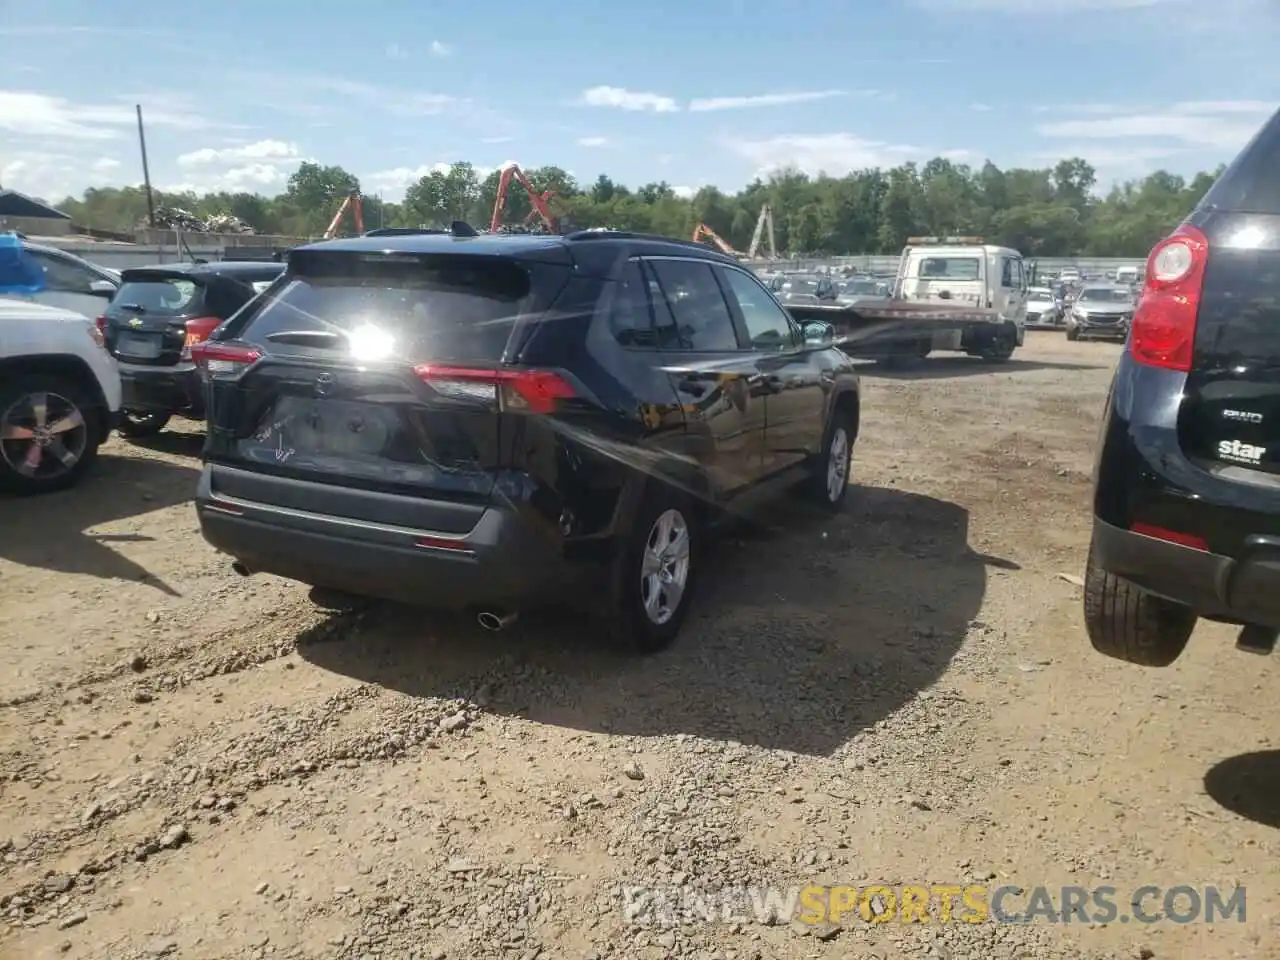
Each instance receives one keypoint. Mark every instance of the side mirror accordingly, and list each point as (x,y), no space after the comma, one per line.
(102,288)
(817,332)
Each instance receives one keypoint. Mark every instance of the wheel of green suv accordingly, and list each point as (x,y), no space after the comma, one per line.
(49,434)
(1127,623)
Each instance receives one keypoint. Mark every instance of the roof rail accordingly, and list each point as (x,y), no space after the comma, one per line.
(933,241)
(599,234)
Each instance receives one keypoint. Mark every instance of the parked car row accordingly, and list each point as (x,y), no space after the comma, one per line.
(477,422)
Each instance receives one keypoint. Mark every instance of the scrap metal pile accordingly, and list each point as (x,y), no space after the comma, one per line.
(175,218)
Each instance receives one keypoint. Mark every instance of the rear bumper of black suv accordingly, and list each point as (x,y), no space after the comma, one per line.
(177,389)
(501,564)
(1243,589)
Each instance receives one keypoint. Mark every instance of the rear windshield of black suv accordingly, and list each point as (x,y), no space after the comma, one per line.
(444,307)
(161,296)
(1252,183)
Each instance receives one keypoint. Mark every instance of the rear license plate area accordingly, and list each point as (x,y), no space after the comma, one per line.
(138,346)
(323,428)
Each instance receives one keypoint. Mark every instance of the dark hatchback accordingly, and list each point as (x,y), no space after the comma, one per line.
(154,319)
(1187,491)
(491,422)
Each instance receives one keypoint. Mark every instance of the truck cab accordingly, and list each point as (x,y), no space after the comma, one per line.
(974,275)
(965,272)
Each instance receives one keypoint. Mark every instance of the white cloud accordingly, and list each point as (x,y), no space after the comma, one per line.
(835,154)
(593,141)
(631,100)
(269,150)
(496,139)
(684,193)
(959,156)
(37,115)
(312,96)
(392,184)
(398,179)
(51,176)
(439,49)
(396,52)
(981,107)
(266,178)
(762,100)
(1218,125)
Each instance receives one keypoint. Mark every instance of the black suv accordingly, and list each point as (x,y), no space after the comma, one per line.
(155,318)
(485,422)
(1187,489)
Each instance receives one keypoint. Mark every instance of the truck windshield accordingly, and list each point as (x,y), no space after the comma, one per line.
(949,268)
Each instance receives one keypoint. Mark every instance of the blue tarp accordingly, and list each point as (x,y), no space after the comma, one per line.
(19,272)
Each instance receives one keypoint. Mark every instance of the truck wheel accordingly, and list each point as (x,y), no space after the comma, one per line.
(1127,623)
(142,424)
(654,572)
(1001,346)
(49,434)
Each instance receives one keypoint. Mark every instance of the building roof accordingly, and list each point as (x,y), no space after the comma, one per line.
(15,204)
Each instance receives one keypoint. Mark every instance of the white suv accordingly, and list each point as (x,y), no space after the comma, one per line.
(59,388)
(69,282)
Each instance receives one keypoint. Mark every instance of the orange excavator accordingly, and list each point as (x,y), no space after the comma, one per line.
(541,201)
(702,231)
(355,204)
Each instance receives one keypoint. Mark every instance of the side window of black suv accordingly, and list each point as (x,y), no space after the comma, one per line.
(691,313)
(631,318)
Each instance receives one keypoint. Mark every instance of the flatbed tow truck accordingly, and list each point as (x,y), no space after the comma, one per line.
(951,293)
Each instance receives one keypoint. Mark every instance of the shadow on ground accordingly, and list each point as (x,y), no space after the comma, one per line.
(947,367)
(805,632)
(179,443)
(1248,785)
(53,532)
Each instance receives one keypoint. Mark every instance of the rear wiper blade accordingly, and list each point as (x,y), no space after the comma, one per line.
(309,338)
(133,307)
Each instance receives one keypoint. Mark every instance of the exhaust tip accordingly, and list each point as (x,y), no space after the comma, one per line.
(494,622)
(239,568)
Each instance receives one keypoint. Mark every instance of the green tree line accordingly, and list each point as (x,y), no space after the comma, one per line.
(1042,212)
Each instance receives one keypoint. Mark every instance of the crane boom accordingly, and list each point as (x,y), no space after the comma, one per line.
(541,207)
(702,230)
(765,219)
(355,204)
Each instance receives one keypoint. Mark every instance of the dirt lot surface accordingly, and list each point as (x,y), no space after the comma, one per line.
(198,765)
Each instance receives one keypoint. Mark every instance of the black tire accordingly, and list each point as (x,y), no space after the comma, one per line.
(820,487)
(1000,347)
(65,399)
(137,426)
(1073,333)
(1126,623)
(629,625)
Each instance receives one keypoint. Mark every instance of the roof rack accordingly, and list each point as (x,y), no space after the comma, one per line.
(609,234)
(935,241)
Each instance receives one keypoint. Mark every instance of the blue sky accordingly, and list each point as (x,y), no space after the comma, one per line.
(237,93)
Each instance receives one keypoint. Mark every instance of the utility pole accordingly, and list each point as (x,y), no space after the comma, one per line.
(146,170)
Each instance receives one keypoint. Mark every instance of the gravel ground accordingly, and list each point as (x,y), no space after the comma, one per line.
(202,766)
